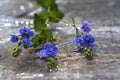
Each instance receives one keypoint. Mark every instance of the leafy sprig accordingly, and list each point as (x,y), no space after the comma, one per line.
(50,13)
(43,34)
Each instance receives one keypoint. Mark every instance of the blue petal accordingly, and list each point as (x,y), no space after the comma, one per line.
(86,27)
(86,23)
(28,42)
(12,34)
(88,39)
(55,50)
(49,53)
(31,33)
(76,40)
(82,42)
(23,30)
(14,38)
(26,33)
(47,46)
(52,45)
(25,36)
(51,49)
(41,54)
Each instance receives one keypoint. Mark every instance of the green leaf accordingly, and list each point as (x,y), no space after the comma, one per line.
(45,3)
(48,34)
(55,16)
(44,15)
(42,37)
(54,7)
(37,22)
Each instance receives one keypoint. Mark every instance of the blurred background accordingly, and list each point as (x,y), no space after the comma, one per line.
(103,14)
(99,12)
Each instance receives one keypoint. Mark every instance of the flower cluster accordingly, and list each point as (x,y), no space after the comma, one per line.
(86,40)
(48,53)
(49,50)
(24,38)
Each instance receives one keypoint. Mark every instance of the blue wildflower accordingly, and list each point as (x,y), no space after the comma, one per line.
(41,53)
(14,38)
(78,41)
(26,33)
(26,43)
(86,27)
(49,50)
(88,40)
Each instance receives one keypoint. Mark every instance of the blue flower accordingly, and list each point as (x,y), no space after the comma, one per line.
(14,38)
(88,40)
(49,50)
(78,41)
(41,53)
(26,33)
(86,27)
(26,43)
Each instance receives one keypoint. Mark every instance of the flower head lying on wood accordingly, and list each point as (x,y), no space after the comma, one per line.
(23,40)
(78,41)
(14,38)
(26,33)
(85,40)
(88,40)
(86,27)
(49,51)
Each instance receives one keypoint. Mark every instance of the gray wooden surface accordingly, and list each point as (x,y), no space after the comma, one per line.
(104,14)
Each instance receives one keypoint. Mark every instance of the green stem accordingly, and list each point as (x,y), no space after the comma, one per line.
(77,30)
(72,23)
(64,21)
(47,20)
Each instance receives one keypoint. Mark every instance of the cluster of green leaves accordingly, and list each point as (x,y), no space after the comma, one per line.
(51,13)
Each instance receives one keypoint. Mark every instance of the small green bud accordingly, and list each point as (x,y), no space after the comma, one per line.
(16,51)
